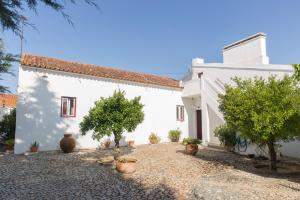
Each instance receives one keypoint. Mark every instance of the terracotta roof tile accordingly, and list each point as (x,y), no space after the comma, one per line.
(8,100)
(99,71)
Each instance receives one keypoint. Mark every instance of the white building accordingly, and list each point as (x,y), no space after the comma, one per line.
(54,95)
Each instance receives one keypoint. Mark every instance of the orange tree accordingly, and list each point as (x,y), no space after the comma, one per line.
(266,111)
(113,115)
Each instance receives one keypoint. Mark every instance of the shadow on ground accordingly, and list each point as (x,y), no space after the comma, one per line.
(286,169)
(54,175)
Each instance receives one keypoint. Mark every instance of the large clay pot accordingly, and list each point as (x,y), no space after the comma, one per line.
(191,149)
(131,143)
(67,143)
(34,149)
(126,167)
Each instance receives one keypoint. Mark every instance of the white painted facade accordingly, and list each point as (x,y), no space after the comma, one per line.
(245,59)
(40,92)
(39,104)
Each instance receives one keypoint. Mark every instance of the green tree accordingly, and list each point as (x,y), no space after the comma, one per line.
(11,17)
(266,111)
(113,115)
(8,125)
(6,61)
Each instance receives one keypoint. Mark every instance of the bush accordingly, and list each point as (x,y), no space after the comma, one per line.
(8,125)
(190,141)
(226,135)
(174,135)
(154,138)
(9,142)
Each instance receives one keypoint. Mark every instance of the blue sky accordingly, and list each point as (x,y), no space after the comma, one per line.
(158,36)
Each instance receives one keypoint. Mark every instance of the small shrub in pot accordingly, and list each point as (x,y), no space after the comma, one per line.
(9,144)
(191,145)
(174,135)
(154,138)
(34,147)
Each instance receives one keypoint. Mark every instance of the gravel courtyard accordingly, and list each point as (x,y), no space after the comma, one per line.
(163,172)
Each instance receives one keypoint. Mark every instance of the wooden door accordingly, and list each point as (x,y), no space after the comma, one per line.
(199,124)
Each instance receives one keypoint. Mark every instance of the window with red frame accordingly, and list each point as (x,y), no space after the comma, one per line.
(180,113)
(68,106)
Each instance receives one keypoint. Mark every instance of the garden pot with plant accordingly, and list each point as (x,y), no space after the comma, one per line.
(107,144)
(34,147)
(174,135)
(9,144)
(67,143)
(154,138)
(191,145)
(227,136)
(126,165)
(131,143)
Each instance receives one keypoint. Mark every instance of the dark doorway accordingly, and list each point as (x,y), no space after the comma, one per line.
(199,124)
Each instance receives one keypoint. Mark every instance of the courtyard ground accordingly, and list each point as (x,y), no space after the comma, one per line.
(163,172)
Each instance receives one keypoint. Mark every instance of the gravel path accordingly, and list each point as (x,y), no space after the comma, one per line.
(163,172)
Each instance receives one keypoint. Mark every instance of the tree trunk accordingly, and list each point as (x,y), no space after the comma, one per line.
(117,143)
(273,158)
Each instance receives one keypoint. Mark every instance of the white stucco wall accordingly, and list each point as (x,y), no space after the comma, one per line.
(38,108)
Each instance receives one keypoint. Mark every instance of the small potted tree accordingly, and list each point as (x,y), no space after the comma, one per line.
(191,145)
(174,135)
(126,165)
(227,136)
(34,147)
(154,138)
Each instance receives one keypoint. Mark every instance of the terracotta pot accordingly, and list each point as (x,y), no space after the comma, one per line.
(126,167)
(153,141)
(107,145)
(34,149)
(174,139)
(131,143)
(67,143)
(191,149)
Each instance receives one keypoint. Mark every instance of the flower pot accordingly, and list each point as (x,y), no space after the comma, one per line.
(131,143)
(67,143)
(153,141)
(126,166)
(34,149)
(107,145)
(174,139)
(191,149)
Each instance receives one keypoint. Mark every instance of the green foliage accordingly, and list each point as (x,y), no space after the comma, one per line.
(8,125)
(35,144)
(113,115)
(154,138)
(11,11)
(263,110)
(6,61)
(190,141)
(297,71)
(226,135)
(174,135)
(9,142)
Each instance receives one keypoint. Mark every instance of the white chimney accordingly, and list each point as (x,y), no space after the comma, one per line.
(197,61)
(251,50)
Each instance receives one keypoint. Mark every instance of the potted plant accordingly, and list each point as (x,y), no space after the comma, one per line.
(126,165)
(174,135)
(107,143)
(154,138)
(191,145)
(34,147)
(131,143)
(9,144)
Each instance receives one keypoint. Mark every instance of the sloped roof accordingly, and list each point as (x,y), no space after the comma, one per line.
(98,71)
(8,100)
